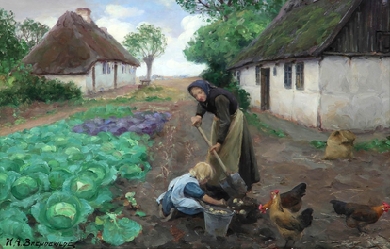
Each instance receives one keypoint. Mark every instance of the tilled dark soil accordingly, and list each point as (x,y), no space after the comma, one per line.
(283,164)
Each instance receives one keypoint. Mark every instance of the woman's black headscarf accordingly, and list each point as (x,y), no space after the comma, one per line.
(203,84)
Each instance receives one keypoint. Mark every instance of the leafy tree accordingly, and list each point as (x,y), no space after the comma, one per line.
(147,44)
(11,50)
(219,9)
(218,43)
(31,32)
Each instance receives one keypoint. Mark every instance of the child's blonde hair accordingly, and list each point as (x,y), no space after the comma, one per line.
(202,171)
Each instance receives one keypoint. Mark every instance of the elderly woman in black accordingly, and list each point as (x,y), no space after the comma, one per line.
(229,132)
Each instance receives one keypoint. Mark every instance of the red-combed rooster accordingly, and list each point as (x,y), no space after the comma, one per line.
(290,226)
(358,215)
(291,199)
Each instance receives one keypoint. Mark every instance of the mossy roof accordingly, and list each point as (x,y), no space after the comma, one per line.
(73,45)
(304,31)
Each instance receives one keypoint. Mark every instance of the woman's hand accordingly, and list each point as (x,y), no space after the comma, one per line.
(197,120)
(215,148)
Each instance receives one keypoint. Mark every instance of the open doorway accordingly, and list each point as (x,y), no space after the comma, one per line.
(115,76)
(93,79)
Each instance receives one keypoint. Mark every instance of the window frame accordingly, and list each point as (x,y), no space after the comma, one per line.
(299,76)
(104,67)
(288,75)
(238,76)
(257,75)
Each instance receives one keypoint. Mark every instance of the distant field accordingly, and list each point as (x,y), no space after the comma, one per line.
(180,83)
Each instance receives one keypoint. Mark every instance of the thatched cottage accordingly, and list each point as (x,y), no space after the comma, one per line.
(322,63)
(77,50)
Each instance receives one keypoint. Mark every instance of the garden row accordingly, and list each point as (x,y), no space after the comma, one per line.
(54,177)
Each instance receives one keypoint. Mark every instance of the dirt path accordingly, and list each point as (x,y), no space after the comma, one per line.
(62,114)
(283,163)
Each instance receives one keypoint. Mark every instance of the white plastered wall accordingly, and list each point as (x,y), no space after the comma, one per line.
(103,82)
(296,105)
(355,93)
(79,80)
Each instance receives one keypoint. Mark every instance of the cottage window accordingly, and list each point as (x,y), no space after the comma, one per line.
(287,75)
(299,76)
(383,41)
(257,74)
(238,75)
(123,69)
(106,68)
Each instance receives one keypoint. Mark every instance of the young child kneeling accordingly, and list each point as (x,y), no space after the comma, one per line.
(185,193)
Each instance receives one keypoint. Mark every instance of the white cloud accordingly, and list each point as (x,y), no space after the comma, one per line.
(115,27)
(118,11)
(47,20)
(170,67)
(167,3)
(191,24)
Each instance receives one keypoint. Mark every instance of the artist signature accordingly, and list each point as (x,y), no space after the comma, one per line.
(27,242)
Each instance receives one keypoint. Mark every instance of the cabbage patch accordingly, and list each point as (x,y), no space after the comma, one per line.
(141,123)
(60,176)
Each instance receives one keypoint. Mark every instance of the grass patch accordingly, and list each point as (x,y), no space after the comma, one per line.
(20,121)
(156,98)
(254,120)
(318,144)
(373,145)
(376,145)
(104,112)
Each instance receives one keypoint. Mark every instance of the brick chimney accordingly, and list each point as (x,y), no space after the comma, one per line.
(84,13)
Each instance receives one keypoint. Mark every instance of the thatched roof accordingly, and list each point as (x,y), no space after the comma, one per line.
(73,45)
(301,30)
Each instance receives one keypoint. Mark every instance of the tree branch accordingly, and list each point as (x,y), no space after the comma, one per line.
(204,4)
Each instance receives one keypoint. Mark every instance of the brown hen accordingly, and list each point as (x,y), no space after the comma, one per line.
(358,215)
(291,199)
(290,226)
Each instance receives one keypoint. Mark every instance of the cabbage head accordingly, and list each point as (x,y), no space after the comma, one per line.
(82,186)
(99,172)
(57,178)
(6,180)
(26,189)
(59,214)
(24,186)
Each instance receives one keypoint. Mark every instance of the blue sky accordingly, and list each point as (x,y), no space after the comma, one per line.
(122,17)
